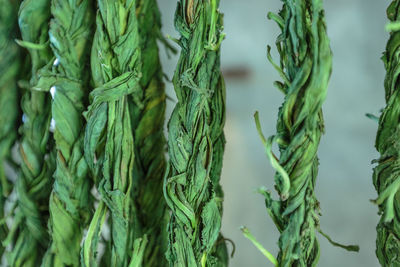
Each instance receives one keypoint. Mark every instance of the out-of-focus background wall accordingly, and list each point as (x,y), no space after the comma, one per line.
(344,185)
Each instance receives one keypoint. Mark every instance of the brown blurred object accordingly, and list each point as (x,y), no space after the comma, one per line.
(236,72)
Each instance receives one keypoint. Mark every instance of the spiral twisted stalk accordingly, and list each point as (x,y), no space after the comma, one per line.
(70,199)
(305,67)
(196,140)
(109,136)
(386,176)
(148,123)
(28,236)
(10,63)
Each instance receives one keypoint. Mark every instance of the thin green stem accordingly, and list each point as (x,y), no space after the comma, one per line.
(266,253)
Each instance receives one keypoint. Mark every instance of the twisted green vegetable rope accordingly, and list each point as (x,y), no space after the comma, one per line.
(305,66)
(196,140)
(29,235)
(10,63)
(109,137)
(70,199)
(386,177)
(148,123)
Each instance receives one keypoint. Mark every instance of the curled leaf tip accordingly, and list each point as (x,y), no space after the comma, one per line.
(392,26)
(372,117)
(353,248)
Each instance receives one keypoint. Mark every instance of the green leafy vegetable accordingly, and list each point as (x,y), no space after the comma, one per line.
(28,236)
(70,200)
(386,177)
(305,67)
(148,123)
(196,140)
(109,136)
(10,64)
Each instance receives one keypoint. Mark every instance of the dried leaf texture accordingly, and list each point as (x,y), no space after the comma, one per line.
(109,136)
(70,201)
(10,64)
(150,144)
(305,66)
(386,177)
(196,140)
(29,236)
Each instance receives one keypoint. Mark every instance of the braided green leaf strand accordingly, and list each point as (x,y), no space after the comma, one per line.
(148,124)
(70,199)
(29,236)
(10,64)
(196,140)
(306,62)
(386,176)
(109,136)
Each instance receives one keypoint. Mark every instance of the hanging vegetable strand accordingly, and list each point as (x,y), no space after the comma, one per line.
(70,199)
(10,64)
(109,137)
(148,123)
(28,236)
(196,140)
(305,66)
(386,177)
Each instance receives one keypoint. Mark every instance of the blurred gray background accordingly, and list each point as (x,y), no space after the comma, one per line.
(344,185)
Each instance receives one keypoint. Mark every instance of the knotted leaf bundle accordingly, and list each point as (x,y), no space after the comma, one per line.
(29,236)
(70,199)
(305,67)
(196,140)
(109,136)
(10,64)
(148,123)
(386,177)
